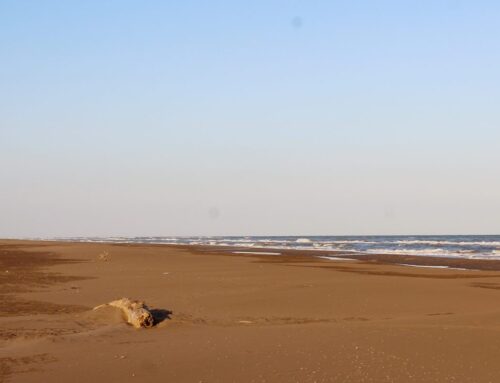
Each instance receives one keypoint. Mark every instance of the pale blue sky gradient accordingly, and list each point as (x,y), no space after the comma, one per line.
(261,117)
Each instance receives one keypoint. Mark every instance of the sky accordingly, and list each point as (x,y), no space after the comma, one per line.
(249,118)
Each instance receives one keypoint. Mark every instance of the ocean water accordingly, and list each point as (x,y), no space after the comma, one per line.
(459,246)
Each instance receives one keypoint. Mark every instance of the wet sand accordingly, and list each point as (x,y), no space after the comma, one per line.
(226,317)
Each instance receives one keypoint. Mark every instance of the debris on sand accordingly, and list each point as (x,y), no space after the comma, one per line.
(136,313)
(104,256)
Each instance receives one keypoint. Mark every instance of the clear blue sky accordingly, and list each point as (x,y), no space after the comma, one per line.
(257,117)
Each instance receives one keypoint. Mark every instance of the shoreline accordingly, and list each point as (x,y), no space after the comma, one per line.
(386,259)
(441,246)
(405,260)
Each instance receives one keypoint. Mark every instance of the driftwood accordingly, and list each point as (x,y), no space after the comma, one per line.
(136,313)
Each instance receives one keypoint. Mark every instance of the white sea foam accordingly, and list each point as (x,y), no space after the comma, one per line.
(439,252)
(433,267)
(303,240)
(255,252)
(336,258)
(449,243)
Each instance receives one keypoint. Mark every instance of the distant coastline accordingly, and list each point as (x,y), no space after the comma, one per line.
(442,246)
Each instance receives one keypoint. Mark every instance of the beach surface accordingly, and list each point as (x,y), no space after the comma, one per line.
(240,315)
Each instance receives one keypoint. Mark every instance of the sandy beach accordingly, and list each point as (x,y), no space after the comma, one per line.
(229,315)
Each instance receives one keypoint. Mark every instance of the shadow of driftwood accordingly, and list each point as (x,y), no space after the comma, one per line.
(159,315)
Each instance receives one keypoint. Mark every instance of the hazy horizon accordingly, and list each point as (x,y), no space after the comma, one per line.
(120,118)
(298,236)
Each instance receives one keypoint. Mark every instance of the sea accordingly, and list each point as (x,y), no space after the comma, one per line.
(455,246)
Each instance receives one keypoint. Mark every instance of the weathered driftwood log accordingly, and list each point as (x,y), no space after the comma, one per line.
(135,312)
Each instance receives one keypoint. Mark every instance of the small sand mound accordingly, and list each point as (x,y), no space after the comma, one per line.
(105,315)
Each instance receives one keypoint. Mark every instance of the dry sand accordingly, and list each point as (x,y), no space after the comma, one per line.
(225,317)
